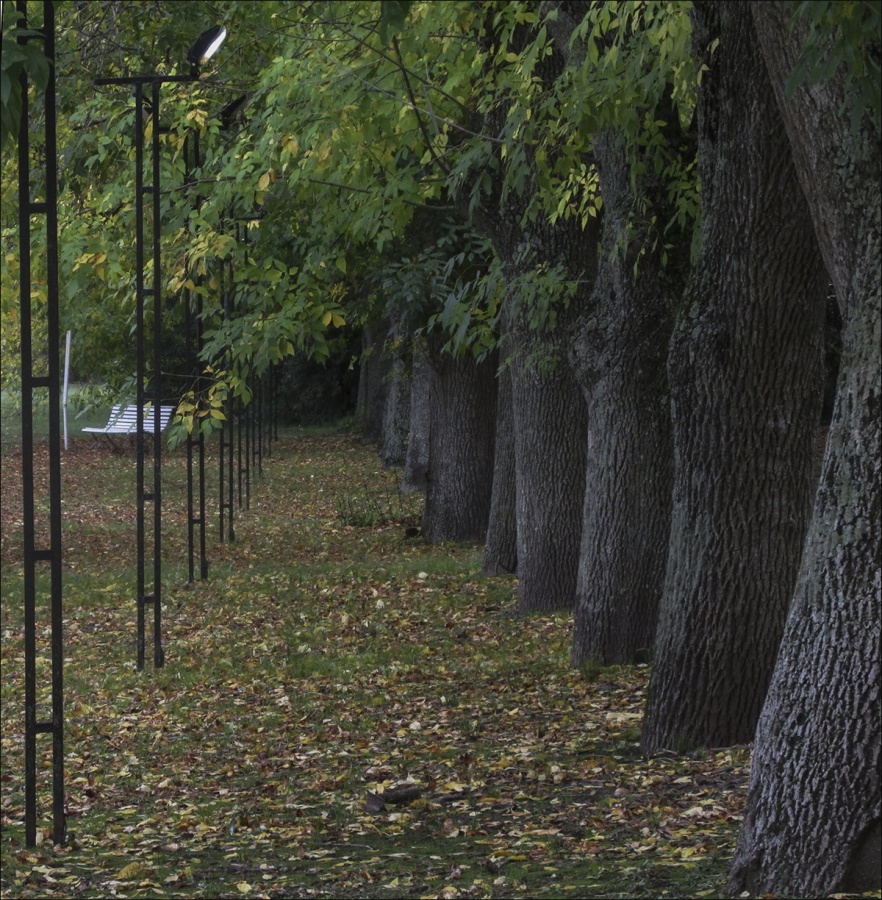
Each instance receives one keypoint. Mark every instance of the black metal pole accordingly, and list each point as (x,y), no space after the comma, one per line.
(27,464)
(193,355)
(158,654)
(249,418)
(54,335)
(195,446)
(30,382)
(239,408)
(222,508)
(214,37)
(258,427)
(230,411)
(226,482)
(203,557)
(140,294)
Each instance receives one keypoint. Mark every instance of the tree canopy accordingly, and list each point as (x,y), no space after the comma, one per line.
(325,129)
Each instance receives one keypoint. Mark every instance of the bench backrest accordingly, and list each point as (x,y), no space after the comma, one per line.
(124,419)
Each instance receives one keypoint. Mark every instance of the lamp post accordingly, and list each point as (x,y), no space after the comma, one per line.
(36,547)
(202,50)
(193,330)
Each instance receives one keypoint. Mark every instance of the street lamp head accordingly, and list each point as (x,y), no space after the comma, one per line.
(207,44)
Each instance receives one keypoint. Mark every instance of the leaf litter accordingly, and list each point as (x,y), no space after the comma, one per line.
(344,712)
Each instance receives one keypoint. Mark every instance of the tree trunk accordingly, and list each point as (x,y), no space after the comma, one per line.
(372,381)
(549,439)
(812,823)
(461,441)
(619,356)
(745,369)
(500,548)
(396,411)
(548,408)
(416,463)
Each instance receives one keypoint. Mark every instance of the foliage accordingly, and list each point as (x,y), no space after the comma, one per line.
(320,665)
(19,56)
(351,130)
(308,392)
(351,126)
(842,35)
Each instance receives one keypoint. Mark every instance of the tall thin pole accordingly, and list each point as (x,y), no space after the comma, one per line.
(158,654)
(30,382)
(140,294)
(213,37)
(154,495)
(195,446)
(65,384)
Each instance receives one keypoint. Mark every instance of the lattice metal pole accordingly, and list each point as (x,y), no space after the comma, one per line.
(156,223)
(238,411)
(258,427)
(195,446)
(144,496)
(271,426)
(225,475)
(245,413)
(30,382)
(141,292)
(206,45)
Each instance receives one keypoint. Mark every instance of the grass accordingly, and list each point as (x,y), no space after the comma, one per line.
(330,656)
(82,411)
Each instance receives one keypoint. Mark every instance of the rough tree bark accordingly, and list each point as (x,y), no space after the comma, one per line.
(812,823)
(619,355)
(548,417)
(461,442)
(372,381)
(549,421)
(416,463)
(500,547)
(548,408)
(745,368)
(396,411)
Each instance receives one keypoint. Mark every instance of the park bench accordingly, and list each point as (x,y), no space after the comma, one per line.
(124,420)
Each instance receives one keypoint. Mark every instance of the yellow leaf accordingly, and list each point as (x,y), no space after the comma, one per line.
(217,414)
(263,184)
(131,871)
(326,318)
(244,888)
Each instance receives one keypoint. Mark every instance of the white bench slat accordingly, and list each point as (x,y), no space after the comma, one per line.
(124,420)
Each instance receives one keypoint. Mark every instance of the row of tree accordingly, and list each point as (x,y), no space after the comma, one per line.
(590,248)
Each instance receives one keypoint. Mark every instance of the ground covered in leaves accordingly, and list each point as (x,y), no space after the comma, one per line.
(344,711)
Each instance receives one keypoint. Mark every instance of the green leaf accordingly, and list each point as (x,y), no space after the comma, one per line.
(393,14)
